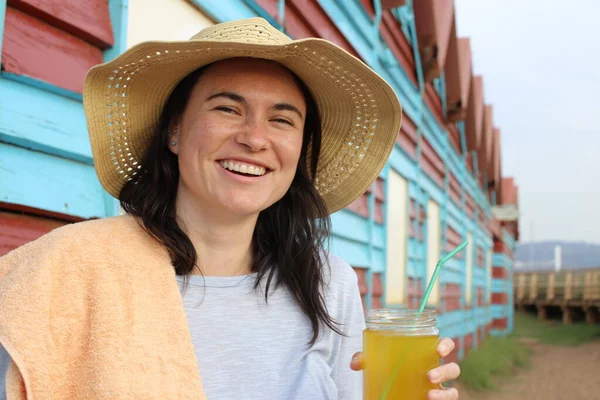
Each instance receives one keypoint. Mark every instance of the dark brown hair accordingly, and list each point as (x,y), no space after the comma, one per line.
(289,235)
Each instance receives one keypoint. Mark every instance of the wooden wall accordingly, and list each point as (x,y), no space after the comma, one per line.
(442,148)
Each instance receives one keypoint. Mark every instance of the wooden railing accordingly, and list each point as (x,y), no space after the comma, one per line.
(575,291)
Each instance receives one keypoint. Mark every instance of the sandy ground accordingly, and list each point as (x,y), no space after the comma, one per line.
(556,373)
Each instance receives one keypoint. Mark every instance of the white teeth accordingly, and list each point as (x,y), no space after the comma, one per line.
(243,168)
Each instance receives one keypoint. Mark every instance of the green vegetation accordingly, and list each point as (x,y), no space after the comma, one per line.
(503,356)
(555,332)
(495,358)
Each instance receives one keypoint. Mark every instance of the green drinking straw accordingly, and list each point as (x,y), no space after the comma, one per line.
(434,277)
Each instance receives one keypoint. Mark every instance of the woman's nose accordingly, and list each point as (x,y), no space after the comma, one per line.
(254,136)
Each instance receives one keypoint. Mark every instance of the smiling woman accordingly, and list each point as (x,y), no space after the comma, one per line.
(228,153)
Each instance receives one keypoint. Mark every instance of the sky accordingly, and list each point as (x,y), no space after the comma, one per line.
(540,62)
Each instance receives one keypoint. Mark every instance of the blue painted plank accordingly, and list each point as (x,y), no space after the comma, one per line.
(402,164)
(433,190)
(225,10)
(350,225)
(355,253)
(50,183)
(2,16)
(352,27)
(118,17)
(37,119)
(379,261)
(378,241)
(451,276)
(500,260)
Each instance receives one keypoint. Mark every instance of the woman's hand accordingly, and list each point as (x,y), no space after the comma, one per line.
(441,374)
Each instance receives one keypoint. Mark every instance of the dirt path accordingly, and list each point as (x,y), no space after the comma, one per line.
(556,373)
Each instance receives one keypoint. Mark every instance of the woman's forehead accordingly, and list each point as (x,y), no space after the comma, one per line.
(249,75)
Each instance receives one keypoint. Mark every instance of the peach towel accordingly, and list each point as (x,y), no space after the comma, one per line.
(93,311)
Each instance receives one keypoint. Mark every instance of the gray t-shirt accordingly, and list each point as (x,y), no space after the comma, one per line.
(249,349)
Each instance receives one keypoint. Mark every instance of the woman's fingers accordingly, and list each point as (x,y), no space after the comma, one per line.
(443,394)
(445,347)
(356,363)
(444,373)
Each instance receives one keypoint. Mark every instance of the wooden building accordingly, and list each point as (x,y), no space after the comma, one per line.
(442,184)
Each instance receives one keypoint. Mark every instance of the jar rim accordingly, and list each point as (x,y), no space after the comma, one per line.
(404,317)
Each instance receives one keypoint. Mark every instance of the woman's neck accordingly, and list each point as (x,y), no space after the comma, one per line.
(223,243)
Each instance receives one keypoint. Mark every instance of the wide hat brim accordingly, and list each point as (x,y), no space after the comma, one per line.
(360,113)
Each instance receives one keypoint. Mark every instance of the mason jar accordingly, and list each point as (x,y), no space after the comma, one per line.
(399,348)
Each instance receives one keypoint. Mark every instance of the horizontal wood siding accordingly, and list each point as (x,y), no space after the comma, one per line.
(415,292)
(451,295)
(432,164)
(392,33)
(454,239)
(434,103)
(360,206)
(377,293)
(407,138)
(361,274)
(66,58)
(455,189)
(305,18)
(19,229)
(499,273)
(86,19)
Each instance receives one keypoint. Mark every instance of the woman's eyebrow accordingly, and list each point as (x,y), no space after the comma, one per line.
(287,107)
(228,95)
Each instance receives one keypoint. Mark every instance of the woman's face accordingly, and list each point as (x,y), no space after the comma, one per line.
(240,136)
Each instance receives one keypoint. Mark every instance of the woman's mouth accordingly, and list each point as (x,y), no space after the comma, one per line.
(243,169)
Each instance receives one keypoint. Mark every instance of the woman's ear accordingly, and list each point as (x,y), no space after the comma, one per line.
(173,142)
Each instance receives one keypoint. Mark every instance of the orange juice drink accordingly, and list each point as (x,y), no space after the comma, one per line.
(399,349)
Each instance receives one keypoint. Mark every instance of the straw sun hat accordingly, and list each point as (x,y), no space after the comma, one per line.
(360,112)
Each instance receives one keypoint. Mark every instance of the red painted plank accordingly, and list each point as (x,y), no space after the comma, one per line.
(474,121)
(451,297)
(432,164)
(377,284)
(379,192)
(360,206)
(457,73)
(499,298)
(453,356)
(454,239)
(394,37)
(413,208)
(469,161)
(468,344)
(470,206)
(485,146)
(378,217)
(454,137)
(433,101)
(407,137)
(480,300)
(361,273)
(86,19)
(37,50)
(500,323)
(306,18)
(480,261)
(415,291)
(499,273)
(18,229)
(433,20)
(455,189)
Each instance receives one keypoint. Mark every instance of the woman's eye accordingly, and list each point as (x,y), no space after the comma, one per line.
(226,109)
(282,121)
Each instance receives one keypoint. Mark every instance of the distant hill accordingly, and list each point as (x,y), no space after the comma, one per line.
(574,255)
